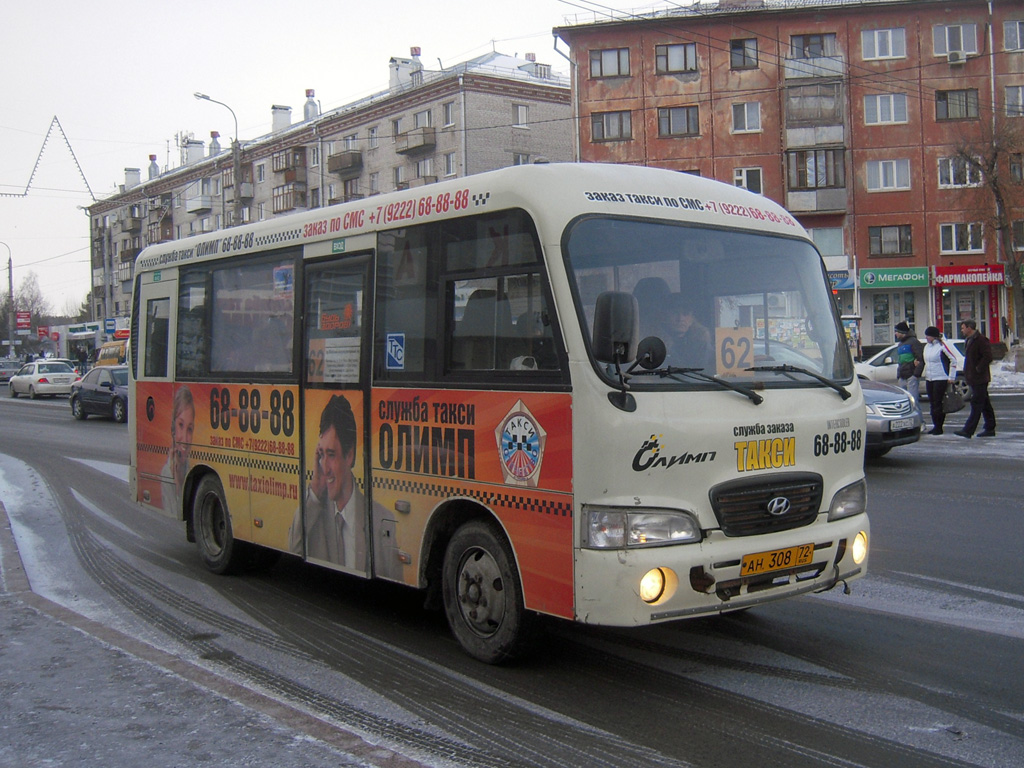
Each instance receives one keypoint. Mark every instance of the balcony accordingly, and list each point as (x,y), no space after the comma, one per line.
(422,180)
(295,175)
(131,223)
(832,200)
(289,160)
(817,66)
(416,140)
(346,164)
(198,204)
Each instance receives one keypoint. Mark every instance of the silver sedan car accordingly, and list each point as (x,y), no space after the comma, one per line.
(43,377)
(893,418)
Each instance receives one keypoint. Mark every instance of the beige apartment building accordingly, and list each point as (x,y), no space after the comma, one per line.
(486,113)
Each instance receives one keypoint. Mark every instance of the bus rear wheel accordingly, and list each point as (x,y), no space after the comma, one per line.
(483,599)
(217,546)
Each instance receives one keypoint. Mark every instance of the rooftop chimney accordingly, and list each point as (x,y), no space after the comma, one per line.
(310,111)
(154,169)
(132,177)
(193,151)
(281,118)
(214,143)
(402,69)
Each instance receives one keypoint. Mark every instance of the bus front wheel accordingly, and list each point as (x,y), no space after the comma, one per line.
(482,596)
(217,546)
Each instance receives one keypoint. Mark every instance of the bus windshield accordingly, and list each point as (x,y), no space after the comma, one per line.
(733,304)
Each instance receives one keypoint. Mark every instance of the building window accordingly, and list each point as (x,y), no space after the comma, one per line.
(679,121)
(261,211)
(1017,167)
(816,169)
(371,135)
(261,172)
(883,44)
(352,141)
(746,117)
(1018,235)
(960,238)
(1015,101)
(816,104)
(520,115)
(743,53)
(450,167)
(422,119)
(956,105)
(351,187)
(425,168)
(888,175)
(448,112)
(890,241)
(962,38)
(611,126)
(1013,35)
(374,183)
(957,172)
(314,156)
(398,176)
(518,158)
(885,108)
(332,193)
(396,129)
(812,46)
(675,58)
(613,62)
(748,178)
(314,197)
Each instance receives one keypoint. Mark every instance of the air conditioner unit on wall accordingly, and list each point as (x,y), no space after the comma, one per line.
(956,57)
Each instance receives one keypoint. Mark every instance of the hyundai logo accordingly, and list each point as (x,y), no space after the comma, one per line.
(778,506)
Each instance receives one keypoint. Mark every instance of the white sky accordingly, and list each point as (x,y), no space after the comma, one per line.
(119,76)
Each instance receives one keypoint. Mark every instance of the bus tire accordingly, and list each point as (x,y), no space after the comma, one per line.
(482,596)
(218,549)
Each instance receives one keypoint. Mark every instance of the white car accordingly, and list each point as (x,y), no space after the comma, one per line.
(882,367)
(43,377)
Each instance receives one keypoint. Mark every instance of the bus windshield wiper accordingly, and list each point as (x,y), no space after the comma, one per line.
(675,373)
(787,368)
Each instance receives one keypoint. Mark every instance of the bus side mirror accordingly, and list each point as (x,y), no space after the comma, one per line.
(616,327)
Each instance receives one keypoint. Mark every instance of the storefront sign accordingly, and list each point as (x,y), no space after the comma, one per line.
(981,274)
(910,277)
(841,280)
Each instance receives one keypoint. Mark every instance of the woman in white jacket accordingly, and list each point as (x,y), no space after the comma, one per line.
(939,371)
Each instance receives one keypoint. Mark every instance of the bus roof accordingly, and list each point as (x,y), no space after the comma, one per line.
(553,193)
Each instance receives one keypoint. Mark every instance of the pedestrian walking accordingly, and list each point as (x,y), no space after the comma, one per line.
(939,373)
(910,361)
(977,360)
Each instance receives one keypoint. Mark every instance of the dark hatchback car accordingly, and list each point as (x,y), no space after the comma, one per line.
(103,392)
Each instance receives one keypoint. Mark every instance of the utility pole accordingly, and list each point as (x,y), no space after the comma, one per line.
(10,300)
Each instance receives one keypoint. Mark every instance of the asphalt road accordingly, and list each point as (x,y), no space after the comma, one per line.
(919,666)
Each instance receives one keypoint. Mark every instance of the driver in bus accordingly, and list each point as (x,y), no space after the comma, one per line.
(689,343)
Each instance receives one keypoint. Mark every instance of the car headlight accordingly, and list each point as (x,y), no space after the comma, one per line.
(617,528)
(849,501)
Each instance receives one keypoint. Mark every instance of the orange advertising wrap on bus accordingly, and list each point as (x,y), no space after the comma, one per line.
(509,451)
(248,435)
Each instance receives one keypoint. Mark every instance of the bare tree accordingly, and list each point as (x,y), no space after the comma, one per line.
(995,156)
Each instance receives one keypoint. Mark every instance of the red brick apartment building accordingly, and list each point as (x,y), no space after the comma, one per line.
(850,114)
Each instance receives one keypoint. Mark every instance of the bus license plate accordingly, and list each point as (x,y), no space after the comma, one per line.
(898,424)
(764,562)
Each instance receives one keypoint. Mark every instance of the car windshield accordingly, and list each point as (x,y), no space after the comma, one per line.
(121,377)
(54,368)
(722,301)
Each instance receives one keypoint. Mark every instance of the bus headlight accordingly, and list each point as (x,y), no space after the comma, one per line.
(615,528)
(849,501)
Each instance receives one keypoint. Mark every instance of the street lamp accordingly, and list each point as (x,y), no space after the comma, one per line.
(236,151)
(10,299)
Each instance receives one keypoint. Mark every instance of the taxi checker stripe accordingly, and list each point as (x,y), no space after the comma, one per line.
(528,503)
(286,466)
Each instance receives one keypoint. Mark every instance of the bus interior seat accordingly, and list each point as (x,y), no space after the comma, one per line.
(480,336)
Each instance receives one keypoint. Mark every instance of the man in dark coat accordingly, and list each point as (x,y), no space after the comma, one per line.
(977,360)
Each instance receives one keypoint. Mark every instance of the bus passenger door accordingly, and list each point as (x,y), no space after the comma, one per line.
(336,516)
(153,481)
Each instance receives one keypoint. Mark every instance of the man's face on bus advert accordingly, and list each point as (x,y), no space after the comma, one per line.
(335,467)
(181,437)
